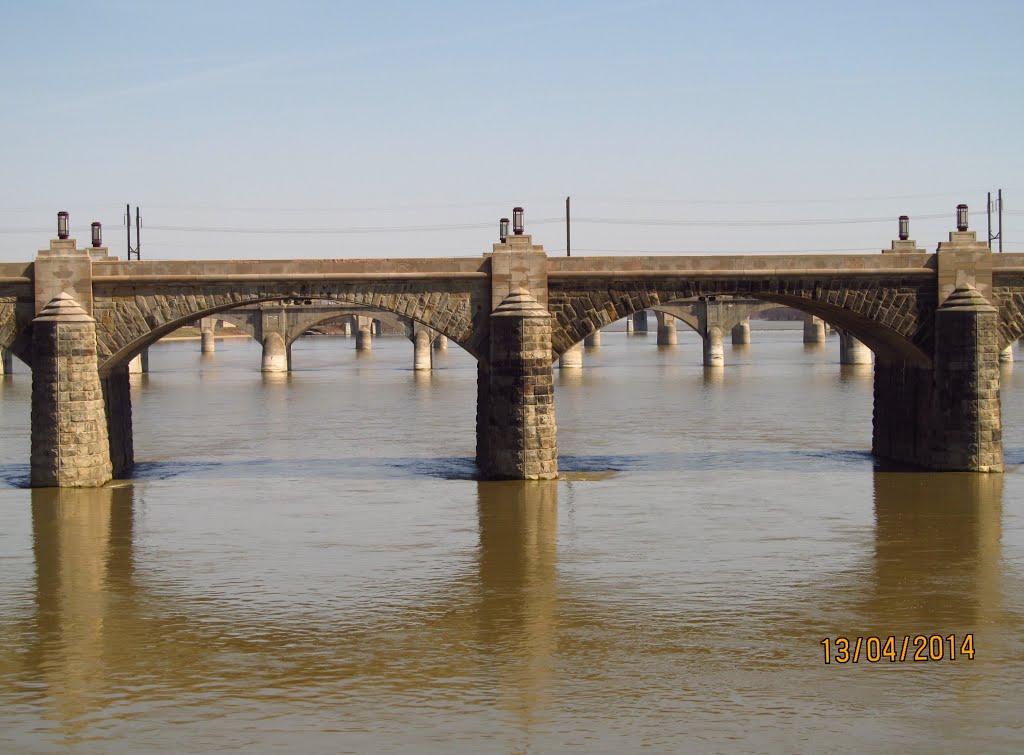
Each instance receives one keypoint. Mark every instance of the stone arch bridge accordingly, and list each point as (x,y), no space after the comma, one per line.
(936,322)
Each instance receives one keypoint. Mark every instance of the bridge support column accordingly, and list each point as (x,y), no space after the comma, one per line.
(814,329)
(714,350)
(346,328)
(364,334)
(206,333)
(441,343)
(140,364)
(946,418)
(69,425)
(852,351)
(117,405)
(667,335)
(968,433)
(516,394)
(572,358)
(364,340)
(275,353)
(273,334)
(1006,355)
(640,321)
(741,333)
(593,341)
(6,362)
(423,357)
(629,323)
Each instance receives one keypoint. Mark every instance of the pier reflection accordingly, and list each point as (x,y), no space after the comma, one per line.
(517,603)
(937,551)
(82,542)
(102,639)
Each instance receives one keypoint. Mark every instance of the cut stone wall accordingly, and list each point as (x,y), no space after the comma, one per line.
(117,402)
(948,417)
(967,417)
(69,424)
(519,398)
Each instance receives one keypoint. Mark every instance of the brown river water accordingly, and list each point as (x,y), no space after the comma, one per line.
(305,563)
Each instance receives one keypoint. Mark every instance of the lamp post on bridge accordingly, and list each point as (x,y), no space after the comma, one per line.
(517,221)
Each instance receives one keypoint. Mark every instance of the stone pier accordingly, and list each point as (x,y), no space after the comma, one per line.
(946,416)
(1006,355)
(593,341)
(572,358)
(667,335)
(852,351)
(814,329)
(6,362)
(741,333)
(440,343)
(117,404)
(70,445)
(640,321)
(516,394)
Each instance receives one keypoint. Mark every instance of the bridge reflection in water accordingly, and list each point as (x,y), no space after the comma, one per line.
(508,648)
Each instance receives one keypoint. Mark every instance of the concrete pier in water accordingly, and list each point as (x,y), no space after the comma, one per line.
(423,355)
(714,348)
(572,358)
(741,333)
(852,351)
(814,329)
(140,363)
(667,334)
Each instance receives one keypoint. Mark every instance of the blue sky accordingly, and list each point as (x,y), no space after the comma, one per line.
(345,129)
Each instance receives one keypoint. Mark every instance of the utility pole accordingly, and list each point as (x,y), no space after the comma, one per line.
(568,246)
(998,206)
(137,251)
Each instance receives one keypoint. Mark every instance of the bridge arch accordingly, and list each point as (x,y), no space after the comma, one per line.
(893,318)
(127,322)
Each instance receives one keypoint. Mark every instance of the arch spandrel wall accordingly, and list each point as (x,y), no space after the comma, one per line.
(129,321)
(892,316)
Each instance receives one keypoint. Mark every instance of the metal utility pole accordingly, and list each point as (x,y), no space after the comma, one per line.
(568,245)
(137,251)
(999,208)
